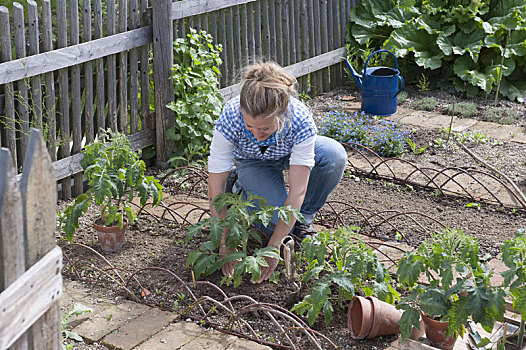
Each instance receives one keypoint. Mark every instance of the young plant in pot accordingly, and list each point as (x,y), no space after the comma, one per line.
(514,257)
(448,283)
(115,176)
(340,267)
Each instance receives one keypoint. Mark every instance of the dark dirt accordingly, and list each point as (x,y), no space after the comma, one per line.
(152,243)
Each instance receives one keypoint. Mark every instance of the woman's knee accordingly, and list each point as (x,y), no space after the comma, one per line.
(332,153)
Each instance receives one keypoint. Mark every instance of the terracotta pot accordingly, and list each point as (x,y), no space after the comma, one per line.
(436,333)
(418,333)
(111,238)
(360,317)
(370,317)
(386,317)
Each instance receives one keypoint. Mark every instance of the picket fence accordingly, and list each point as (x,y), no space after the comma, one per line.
(30,261)
(71,68)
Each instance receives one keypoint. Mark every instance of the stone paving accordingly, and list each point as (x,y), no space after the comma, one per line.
(121,324)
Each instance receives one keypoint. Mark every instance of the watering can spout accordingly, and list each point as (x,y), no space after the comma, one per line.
(357,77)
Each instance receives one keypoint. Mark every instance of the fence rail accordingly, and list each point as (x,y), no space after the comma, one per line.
(71,70)
(30,261)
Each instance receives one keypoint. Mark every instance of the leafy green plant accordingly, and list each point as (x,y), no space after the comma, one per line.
(115,176)
(457,42)
(514,257)
(414,148)
(77,310)
(402,97)
(241,214)
(198,101)
(465,109)
(447,281)
(340,266)
(426,104)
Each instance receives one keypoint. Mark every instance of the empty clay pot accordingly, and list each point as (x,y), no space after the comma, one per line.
(436,333)
(386,317)
(370,317)
(360,317)
(111,238)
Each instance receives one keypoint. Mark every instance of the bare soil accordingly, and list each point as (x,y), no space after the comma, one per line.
(153,243)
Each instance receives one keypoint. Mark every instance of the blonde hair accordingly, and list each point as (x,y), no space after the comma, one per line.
(266,90)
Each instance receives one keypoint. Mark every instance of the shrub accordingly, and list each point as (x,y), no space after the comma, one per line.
(465,109)
(501,115)
(426,104)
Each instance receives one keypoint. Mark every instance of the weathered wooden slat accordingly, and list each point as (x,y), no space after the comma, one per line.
(111,80)
(75,91)
(12,259)
(304,38)
(134,69)
(279,32)
(71,165)
(324,44)
(225,71)
(251,32)
(229,57)
(34,49)
(257,29)
(21,85)
(27,299)
(297,29)
(145,74)
(212,26)
(244,33)
(88,76)
(291,32)
(63,92)
(49,101)
(299,69)
(238,51)
(312,44)
(204,22)
(332,11)
(5,52)
(182,9)
(39,197)
(123,72)
(100,113)
(267,42)
(285,32)
(273,33)
(163,52)
(316,76)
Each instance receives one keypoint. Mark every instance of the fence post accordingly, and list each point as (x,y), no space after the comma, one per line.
(39,197)
(12,259)
(162,64)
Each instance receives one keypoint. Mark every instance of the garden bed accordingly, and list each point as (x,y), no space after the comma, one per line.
(160,243)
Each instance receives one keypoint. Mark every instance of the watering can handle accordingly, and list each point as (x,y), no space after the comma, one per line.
(402,85)
(379,51)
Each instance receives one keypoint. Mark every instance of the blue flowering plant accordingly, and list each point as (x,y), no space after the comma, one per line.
(385,137)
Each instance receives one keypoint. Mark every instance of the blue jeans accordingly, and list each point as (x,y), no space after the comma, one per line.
(265,178)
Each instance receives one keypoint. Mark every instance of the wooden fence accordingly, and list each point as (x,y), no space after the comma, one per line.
(71,68)
(30,261)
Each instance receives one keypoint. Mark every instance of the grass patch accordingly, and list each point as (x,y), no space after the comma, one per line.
(501,115)
(402,97)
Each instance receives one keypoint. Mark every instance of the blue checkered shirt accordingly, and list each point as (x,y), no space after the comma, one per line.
(230,125)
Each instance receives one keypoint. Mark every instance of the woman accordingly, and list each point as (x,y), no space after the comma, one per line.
(264,131)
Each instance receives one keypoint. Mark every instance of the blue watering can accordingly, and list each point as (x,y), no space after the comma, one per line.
(379,87)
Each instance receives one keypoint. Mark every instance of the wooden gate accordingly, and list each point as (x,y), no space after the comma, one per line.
(30,261)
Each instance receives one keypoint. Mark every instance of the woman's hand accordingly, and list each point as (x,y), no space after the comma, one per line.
(267,271)
(228,267)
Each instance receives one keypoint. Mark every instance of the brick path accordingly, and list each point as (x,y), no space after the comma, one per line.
(122,324)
